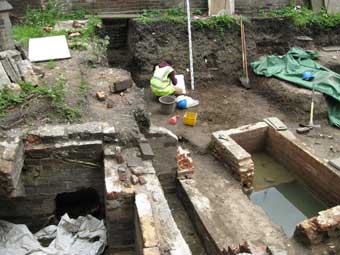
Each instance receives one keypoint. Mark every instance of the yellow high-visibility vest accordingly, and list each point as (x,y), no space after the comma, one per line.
(161,83)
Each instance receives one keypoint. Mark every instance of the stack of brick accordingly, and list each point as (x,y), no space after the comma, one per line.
(235,158)
(184,163)
(317,229)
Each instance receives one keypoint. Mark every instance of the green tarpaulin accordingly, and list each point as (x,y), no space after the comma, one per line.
(291,66)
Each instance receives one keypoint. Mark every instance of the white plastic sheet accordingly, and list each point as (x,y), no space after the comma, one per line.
(82,236)
(181,82)
(48,48)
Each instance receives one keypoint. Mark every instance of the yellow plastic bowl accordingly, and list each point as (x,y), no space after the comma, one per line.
(190,118)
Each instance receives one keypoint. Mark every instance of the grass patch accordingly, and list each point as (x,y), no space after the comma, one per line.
(307,18)
(55,93)
(53,13)
(178,16)
(34,22)
(51,64)
(22,33)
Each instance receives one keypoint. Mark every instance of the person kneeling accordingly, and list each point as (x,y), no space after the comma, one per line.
(163,81)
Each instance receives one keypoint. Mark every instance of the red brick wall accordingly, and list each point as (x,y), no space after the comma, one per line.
(20,6)
(112,5)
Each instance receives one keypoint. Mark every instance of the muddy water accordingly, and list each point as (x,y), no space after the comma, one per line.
(286,201)
(184,224)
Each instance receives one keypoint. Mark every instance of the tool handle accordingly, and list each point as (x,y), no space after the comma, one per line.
(245,53)
(242,41)
(311,119)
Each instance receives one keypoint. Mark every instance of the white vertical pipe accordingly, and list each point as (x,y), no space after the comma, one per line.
(191,59)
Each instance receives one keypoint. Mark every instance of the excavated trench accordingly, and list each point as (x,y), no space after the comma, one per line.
(71,178)
(217,58)
(283,196)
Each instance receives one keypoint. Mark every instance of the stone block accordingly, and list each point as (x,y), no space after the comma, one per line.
(146,150)
(49,133)
(134,179)
(142,180)
(110,133)
(120,86)
(146,221)
(11,163)
(151,251)
(86,130)
(26,71)
(101,95)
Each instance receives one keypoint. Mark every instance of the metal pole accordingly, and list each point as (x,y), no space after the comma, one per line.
(191,59)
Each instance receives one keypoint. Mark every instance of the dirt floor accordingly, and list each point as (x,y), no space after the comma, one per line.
(224,106)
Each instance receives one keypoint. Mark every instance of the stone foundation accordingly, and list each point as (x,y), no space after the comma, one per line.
(233,146)
(64,159)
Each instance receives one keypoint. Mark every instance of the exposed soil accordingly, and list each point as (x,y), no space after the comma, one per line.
(224,106)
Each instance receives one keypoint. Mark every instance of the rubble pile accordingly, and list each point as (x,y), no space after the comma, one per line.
(15,69)
(317,229)
(184,163)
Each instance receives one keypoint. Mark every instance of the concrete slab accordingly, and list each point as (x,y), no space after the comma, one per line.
(48,48)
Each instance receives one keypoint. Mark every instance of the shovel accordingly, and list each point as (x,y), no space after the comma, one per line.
(245,78)
(311,124)
(311,117)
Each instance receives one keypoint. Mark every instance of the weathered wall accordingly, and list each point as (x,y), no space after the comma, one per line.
(48,172)
(20,6)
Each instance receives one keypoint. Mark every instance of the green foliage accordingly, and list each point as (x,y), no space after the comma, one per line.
(197,12)
(175,12)
(56,93)
(84,86)
(219,23)
(51,64)
(22,33)
(93,24)
(178,16)
(307,18)
(54,12)
(35,20)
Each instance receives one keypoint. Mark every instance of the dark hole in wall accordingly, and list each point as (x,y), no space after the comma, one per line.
(79,203)
(117,52)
